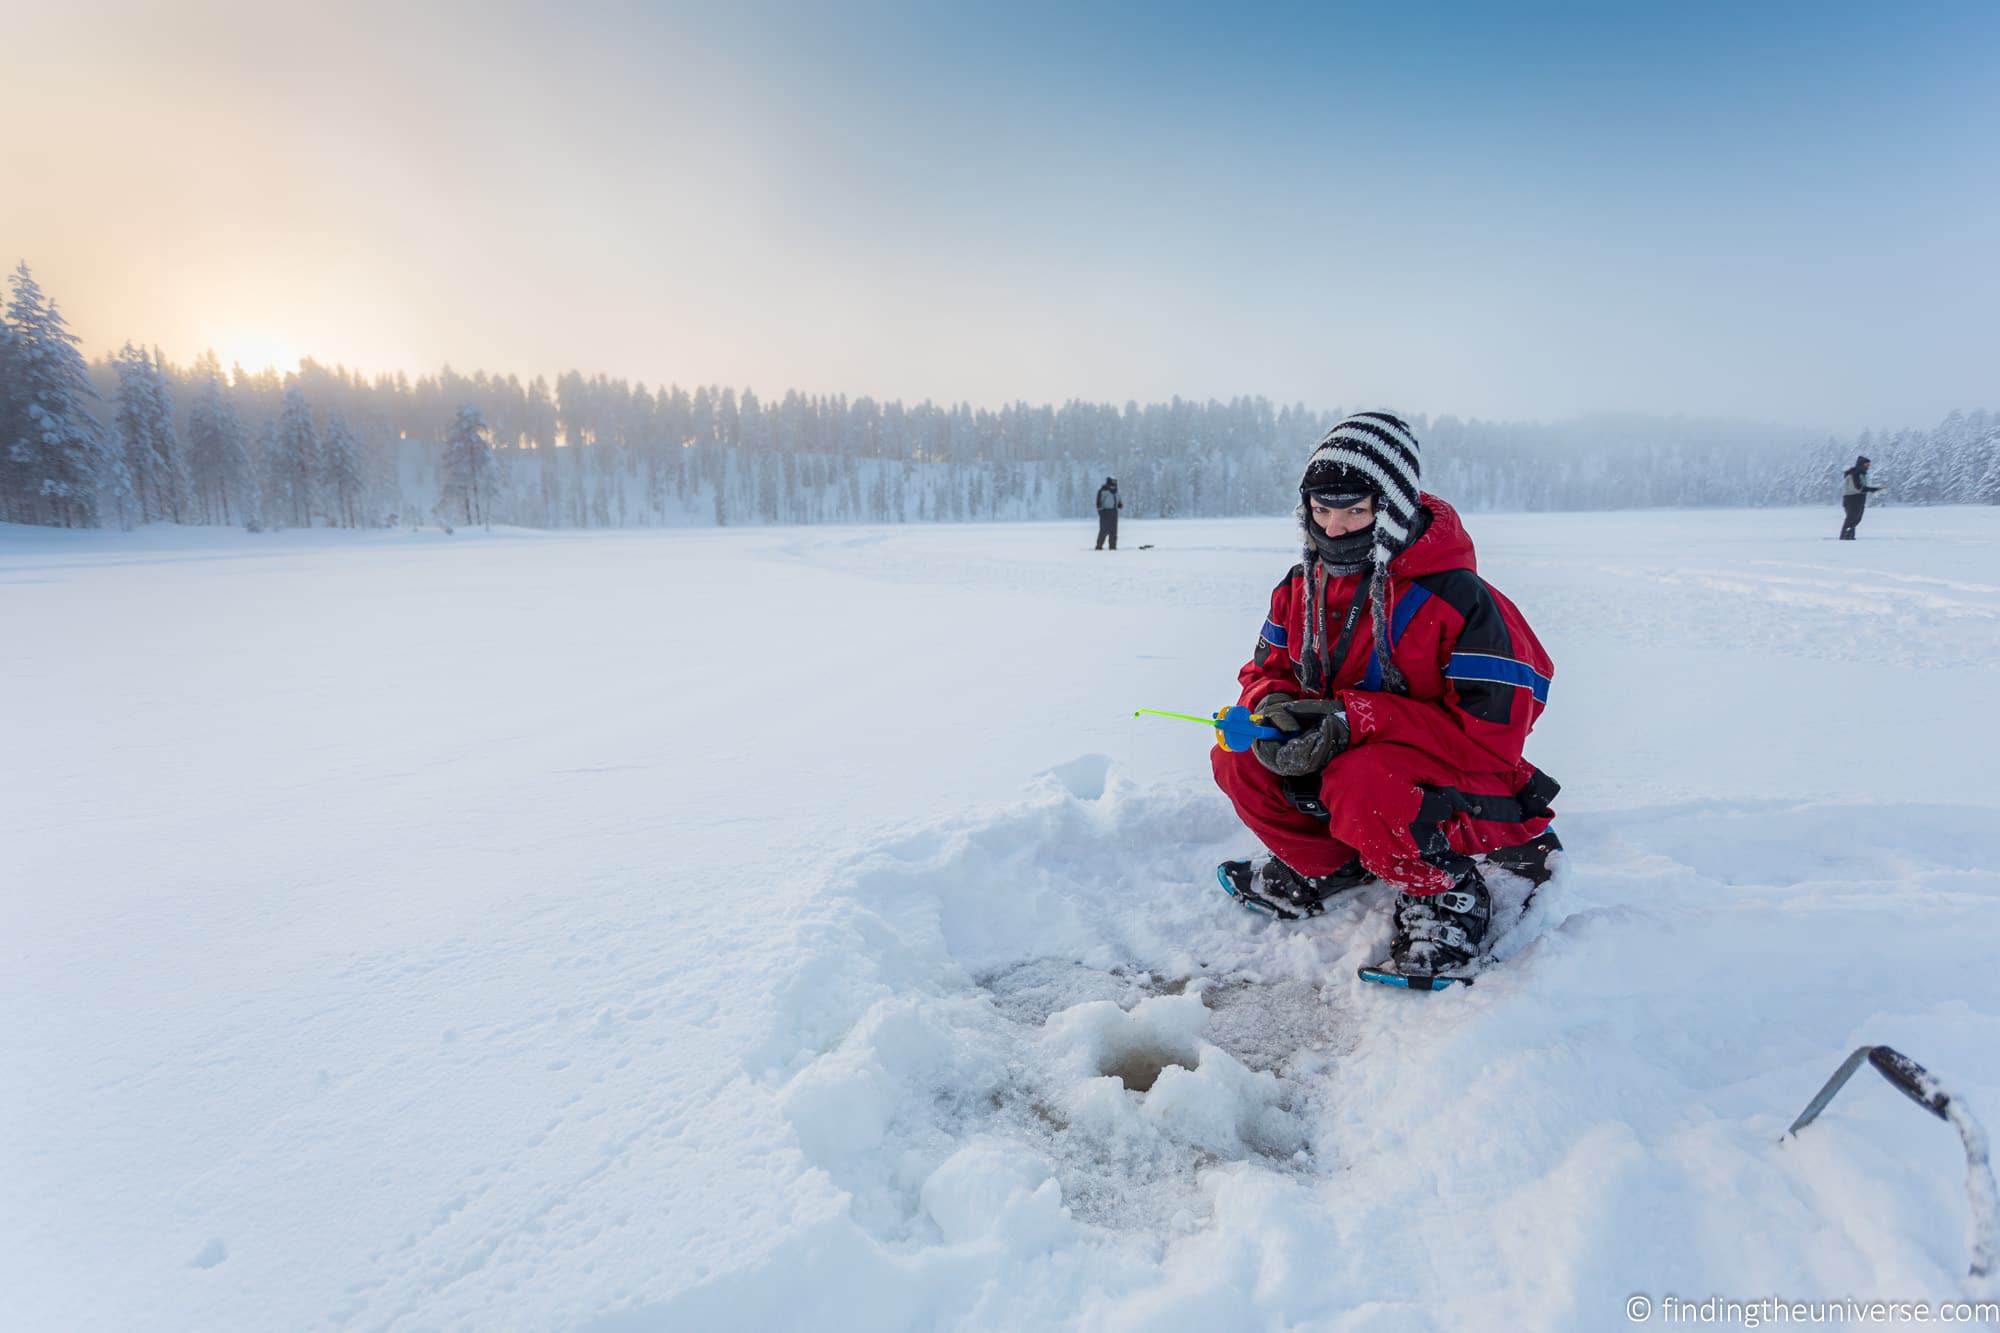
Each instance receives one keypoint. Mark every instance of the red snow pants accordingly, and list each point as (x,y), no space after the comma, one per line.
(1413,820)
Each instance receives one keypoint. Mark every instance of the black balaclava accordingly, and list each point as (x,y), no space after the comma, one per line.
(1369,453)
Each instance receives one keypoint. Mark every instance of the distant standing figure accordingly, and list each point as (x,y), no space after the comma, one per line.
(1108,505)
(1854,494)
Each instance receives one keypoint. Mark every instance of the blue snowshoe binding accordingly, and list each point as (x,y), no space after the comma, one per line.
(1532,860)
(1280,891)
(1438,937)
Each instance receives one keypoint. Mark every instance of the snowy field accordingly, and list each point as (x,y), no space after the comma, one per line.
(777,928)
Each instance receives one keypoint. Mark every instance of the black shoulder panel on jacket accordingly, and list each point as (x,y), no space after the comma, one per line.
(1484,631)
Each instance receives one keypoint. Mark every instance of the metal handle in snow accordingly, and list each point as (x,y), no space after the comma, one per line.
(1923,1087)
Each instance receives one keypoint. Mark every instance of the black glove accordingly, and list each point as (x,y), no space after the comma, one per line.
(1313,750)
(1274,710)
(1316,731)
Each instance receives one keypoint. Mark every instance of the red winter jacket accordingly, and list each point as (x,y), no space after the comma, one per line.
(1478,677)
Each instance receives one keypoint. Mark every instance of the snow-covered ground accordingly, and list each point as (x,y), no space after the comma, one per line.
(777,928)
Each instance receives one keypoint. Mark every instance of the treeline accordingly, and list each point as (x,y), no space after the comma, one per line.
(133,439)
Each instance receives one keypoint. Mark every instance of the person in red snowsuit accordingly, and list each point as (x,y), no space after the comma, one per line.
(1406,687)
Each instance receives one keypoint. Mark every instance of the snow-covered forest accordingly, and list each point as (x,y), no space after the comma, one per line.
(133,439)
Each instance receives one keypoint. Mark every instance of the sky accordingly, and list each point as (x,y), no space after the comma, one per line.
(1772,211)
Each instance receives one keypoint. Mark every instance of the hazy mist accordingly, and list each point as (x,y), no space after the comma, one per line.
(1522,214)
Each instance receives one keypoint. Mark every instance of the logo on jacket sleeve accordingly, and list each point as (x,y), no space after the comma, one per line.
(1270,643)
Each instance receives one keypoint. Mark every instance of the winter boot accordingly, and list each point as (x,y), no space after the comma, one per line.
(1531,859)
(1438,936)
(1284,892)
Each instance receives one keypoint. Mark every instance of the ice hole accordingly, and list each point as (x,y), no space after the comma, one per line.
(1139,1068)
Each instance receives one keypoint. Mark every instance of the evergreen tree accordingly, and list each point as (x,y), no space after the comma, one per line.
(766,473)
(268,503)
(13,420)
(292,466)
(171,462)
(1986,489)
(573,410)
(468,465)
(129,501)
(218,461)
(56,455)
(340,482)
(1957,445)
(1917,467)
(150,451)
(541,416)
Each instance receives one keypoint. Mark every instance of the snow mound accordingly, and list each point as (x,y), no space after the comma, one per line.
(1042,981)
(1044,1032)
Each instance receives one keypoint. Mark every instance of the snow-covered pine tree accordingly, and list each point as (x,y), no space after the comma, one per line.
(541,412)
(218,462)
(172,462)
(56,454)
(268,506)
(1918,467)
(150,449)
(293,466)
(573,410)
(1956,441)
(1986,490)
(468,465)
(13,421)
(341,480)
(132,501)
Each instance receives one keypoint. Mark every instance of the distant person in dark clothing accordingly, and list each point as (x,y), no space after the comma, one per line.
(1854,493)
(1108,505)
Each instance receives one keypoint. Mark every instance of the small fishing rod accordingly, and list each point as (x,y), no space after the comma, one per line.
(1236,727)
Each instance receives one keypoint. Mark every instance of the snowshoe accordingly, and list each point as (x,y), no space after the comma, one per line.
(1438,938)
(1281,891)
(1532,860)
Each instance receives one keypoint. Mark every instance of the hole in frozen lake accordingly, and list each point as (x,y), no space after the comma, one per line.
(1139,1069)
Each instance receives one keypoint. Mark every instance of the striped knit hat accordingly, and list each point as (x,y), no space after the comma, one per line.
(1369,453)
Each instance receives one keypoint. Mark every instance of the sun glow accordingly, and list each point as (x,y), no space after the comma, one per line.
(257,350)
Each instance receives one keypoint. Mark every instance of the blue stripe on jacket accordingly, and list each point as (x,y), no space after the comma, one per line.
(1500,670)
(1407,607)
(1274,634)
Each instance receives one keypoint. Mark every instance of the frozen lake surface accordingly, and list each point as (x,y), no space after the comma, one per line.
(777,927)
